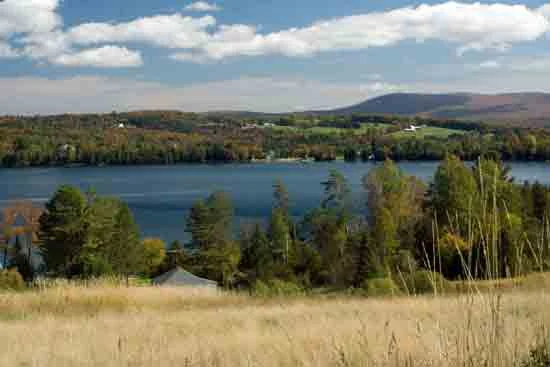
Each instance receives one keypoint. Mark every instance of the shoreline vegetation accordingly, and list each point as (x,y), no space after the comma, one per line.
(296,161)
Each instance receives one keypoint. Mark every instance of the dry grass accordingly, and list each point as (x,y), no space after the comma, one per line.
(118,326)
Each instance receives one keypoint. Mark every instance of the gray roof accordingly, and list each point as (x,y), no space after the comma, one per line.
(182,278)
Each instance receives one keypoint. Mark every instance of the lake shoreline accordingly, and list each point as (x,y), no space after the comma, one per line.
(296,161)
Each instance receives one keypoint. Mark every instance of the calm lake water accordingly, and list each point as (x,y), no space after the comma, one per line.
(160,196)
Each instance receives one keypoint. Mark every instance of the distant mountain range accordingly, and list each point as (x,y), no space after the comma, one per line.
(521,109)
(531,108)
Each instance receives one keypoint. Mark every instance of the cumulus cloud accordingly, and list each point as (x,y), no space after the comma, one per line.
(202,6)
(470,26)
(170,31)
(28,16)
(37,29)
(33,28)
(103,57)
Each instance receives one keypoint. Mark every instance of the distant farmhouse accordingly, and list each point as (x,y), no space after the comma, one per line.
(414,128)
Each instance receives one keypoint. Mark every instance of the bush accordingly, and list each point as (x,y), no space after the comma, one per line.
(11,280)
(380,287)
(424,281)
(276,287)
(538,357)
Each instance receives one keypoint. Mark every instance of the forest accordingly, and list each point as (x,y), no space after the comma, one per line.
(168,137)
(468,223)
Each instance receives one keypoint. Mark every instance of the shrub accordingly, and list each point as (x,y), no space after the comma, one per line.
(11,280)
(276,287)
(380,287)
(538,357)
(424,281)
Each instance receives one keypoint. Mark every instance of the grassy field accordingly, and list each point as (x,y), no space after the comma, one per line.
(438,132)
(332,130)
(105,325)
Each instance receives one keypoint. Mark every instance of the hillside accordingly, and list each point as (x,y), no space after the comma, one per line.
(529,108)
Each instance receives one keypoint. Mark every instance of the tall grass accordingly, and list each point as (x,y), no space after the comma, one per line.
(141,326)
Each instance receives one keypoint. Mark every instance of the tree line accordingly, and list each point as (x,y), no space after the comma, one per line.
(173,137)
(469,222)
(76,234)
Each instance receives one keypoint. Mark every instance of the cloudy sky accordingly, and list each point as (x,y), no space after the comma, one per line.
(269,55)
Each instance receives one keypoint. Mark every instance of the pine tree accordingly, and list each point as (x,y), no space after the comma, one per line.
(281,199)
(62,230)
(127,255)
(337,192)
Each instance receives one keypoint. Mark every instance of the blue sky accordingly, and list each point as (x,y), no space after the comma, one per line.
(102,55)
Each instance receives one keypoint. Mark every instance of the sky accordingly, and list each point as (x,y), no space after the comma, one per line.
(59,56)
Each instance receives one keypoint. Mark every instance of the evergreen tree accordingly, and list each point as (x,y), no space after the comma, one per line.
(63,230)
(279,233)
(257,258)
(198,225)
(210,224)
(127,254)
(281,199)
(337,192)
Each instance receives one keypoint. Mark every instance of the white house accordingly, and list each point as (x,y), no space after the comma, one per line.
(413,128)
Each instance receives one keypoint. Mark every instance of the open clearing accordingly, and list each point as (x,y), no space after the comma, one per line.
(321,130)
(431,131)
(141,326)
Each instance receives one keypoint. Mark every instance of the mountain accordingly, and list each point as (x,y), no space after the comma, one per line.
(529,108)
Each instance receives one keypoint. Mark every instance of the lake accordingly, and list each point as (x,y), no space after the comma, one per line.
(160,196)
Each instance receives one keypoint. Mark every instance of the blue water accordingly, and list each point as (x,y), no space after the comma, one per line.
(160,196)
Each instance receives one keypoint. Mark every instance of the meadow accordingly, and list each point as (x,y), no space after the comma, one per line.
(111,325)
(323,130)
(429,131)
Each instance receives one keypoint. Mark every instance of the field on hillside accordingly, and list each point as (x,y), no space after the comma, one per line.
(438,132)
(321,130)
(141,326)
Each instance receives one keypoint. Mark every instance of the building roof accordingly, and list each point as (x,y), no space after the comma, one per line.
(181,278)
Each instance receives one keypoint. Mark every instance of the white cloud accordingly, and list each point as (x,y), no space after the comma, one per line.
(521,64)
(102,57)
(45,45)
(28,16)
(489,64)
(170,31)
(34,29)
(190,57)
(202,6)
(7,52)
(470,26)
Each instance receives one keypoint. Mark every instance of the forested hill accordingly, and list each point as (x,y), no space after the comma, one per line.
(532,109)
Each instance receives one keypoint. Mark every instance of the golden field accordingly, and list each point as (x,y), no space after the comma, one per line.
(142,326)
